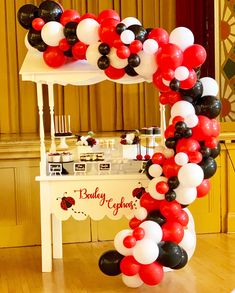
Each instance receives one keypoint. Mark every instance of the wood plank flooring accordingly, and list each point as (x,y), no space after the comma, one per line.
(211,269)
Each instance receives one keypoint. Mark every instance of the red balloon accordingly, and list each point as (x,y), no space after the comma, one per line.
(108,13)
(187,145)
(177,119)
(195,157)
(159,35)
(158,158)
(129,241)
(189,82)
(182,218)
(69,15)
(123,52)
(211,142)
(170,209)
(129,266)
(138,233)
(215,128)
(54,57)
(203,129)
(163,99)
(194,56)
(170,131)
(157,81)
(162,187)
(170,168)
(38,24)
(149,203)
(64,45)
(168,74)
(79,50)
(172,231)
(169,56)
(117,43)
(204,188)
(88,15)
(151,274)
(107,31)
(136,46)
(134,222)
(114,73)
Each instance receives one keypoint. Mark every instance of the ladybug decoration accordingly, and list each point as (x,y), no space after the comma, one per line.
(67,202)
(138,191)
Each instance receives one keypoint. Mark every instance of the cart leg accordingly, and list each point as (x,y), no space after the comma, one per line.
(57,237)
(45,228)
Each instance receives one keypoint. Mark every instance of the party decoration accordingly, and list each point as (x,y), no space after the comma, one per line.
(161,233)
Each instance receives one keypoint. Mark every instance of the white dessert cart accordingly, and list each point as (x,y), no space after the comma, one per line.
(94,195)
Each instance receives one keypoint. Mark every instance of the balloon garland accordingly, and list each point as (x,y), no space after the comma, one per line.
(179,172)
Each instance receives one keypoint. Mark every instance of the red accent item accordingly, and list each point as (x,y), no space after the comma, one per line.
(134,222)
(69,15)
(147,157)
(138,233)
(158,158)
(129,241)
(162,187)
(38,24)
(139,157)
(64,45)
(129,266)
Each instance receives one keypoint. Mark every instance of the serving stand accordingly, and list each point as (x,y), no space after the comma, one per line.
(96,196)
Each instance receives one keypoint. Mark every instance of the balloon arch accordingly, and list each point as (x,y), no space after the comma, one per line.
(159,237)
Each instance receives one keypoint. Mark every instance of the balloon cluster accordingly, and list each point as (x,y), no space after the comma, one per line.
(160,236)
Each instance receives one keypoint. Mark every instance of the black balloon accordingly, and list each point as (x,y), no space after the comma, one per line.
(205,151)
(195,92)
(187,99)
(188,132)
(72,40)
(215,151)
(157,217)
(130,71)
(104,49)
(175,85)
(180,126)
(41,47)
(134,60)
(26,15)
(68,53)
(148,30)
(50,11)
(34,38)
(170,254)
(171,142)
(178,134)
(183,261)
(70,29)
(103,62)
(121,27)
(210,106)
(209,167)
(139,31)
(109,263)
(173,182)
(170,195)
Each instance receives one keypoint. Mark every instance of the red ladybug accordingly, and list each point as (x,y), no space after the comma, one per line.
(67,202)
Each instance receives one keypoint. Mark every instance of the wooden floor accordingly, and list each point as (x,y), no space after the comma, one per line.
(212,269)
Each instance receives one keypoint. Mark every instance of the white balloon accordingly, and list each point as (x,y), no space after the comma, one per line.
(141,213)
(155,170)
(132,281)
(191,224)
(128,21)
(115,61)
(185,195)
(127,36)
(52,32)
(190,175)
(147,66)
(188,242)
(152,231)
(182,108)
(150,46)
(118,242)
(88,31)
(145,251)
(210,86)
(182,37)
(152,187)
(191,120)
(181,73)
(93,54)
(181,158)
